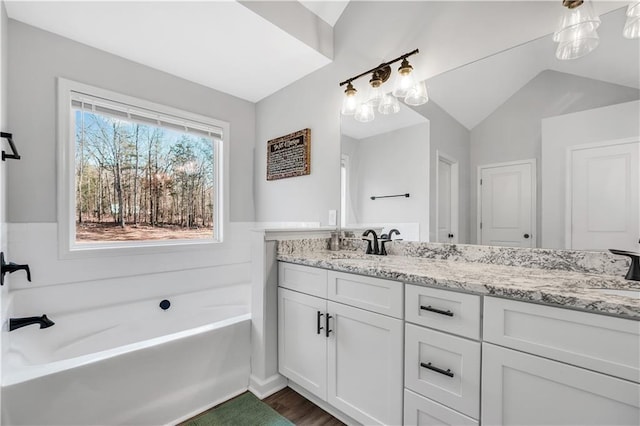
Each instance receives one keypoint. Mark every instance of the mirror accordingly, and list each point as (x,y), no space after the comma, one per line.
(517,149)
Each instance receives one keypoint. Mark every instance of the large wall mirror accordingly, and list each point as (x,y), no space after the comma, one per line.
(518,149)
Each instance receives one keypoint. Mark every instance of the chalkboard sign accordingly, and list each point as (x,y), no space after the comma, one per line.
(289,155)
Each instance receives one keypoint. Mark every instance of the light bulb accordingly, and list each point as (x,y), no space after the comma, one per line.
(374,97)
(349,102)
(417,95)
(364,112)
(404,80)
(389,105)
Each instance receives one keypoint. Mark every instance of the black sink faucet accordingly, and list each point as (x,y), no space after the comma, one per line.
(370,249)
(44,322)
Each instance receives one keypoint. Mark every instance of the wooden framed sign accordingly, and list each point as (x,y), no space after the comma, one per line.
(289,155)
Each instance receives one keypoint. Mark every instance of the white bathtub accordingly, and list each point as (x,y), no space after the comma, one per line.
(128,364)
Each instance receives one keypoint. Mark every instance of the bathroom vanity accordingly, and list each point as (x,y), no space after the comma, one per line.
(416,341)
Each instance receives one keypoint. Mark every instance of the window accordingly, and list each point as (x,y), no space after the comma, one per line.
(137,173)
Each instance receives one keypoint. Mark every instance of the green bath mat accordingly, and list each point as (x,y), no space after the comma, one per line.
(244,410)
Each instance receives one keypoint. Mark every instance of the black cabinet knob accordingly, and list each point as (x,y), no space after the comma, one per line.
(526,235)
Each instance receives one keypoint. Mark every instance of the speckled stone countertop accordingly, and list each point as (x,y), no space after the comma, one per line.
(553,287)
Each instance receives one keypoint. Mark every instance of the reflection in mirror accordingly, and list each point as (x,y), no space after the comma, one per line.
(517,149)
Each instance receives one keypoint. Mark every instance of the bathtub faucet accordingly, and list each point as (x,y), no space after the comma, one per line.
(21,322)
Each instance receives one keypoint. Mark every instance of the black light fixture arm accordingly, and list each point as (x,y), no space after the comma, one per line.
(14,152)
(385,64)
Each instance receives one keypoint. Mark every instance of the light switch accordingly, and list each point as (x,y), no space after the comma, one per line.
(332,218)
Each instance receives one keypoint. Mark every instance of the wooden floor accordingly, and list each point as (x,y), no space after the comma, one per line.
(299,410)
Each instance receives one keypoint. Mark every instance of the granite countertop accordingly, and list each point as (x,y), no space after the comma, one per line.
(553,287)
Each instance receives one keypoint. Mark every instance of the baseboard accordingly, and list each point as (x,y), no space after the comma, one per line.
(264,388)
(324,405)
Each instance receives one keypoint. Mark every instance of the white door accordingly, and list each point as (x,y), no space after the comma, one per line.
(506,204)
(302,343)
(365,365)
(604,193)
(523,389)
(446,199)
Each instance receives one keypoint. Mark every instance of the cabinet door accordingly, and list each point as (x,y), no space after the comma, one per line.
(302,346)
(523,389)
(365,365)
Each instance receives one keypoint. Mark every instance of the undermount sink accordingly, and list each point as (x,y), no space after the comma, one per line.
(635,294)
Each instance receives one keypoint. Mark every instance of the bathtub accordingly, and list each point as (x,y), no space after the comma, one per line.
(128,364)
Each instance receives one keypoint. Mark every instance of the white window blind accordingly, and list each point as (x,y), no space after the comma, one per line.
(107,107)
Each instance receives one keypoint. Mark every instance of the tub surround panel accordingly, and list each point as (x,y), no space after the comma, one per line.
(563,288)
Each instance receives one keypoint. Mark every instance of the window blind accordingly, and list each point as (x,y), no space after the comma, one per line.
(107,107)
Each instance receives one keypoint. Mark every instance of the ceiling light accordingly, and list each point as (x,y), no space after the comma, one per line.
(632,26)
(577,34)
(405,87)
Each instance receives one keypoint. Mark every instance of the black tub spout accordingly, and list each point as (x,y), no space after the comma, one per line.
(44,322)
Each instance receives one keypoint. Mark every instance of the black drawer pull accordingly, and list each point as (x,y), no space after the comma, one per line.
(319,327)
(327,330)
(446,372)
(437,311)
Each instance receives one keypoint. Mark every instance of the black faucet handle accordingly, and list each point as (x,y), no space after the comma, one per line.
(11,268)
(369,249)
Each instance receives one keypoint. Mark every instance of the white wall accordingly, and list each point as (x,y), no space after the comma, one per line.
(448,34)
(449,137)
(513,131)
(388,164)
(558,133)
(36,59)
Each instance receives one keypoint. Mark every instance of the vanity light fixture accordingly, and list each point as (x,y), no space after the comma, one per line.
(349,103)
(405,87)
(577,34)
(632,26)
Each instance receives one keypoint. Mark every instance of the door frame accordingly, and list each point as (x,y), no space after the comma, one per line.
(455,190)
(534,196)
(568,194)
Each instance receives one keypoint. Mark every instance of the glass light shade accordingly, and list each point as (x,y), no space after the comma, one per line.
(417,95)
(576,21)
(632,26)
(389,105)
(578,44)
(349,102)
(364,113)
(402,84)
(375,95)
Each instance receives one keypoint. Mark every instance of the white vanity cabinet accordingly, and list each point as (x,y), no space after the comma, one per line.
(442,369)
(346,355)
(558,366)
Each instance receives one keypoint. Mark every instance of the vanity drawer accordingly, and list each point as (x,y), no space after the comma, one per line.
(444,368)
(598,342)
(456,313)
(420,411)
(304,279)
(373,294)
